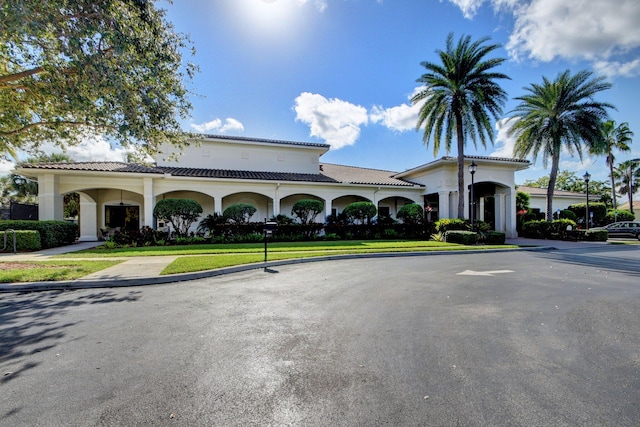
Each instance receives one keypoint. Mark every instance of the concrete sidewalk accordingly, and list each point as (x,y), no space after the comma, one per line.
(145,270)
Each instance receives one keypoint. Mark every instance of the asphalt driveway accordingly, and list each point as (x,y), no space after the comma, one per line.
(517,339)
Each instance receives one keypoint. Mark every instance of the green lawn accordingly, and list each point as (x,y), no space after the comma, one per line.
(206,257)
(45,271)
(340,246)
(187,264)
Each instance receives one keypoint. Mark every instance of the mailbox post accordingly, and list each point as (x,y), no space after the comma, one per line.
(269,227)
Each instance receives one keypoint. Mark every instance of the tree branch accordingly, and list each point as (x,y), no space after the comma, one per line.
(65,123)
(17,76)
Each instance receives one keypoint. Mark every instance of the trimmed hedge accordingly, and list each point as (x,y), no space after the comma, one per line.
(26,240)
(52,233)
(596,235)
(462,237)
(560,229)
(494,238)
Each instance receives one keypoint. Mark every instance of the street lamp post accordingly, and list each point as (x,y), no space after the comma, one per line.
(587,177)
(472,170)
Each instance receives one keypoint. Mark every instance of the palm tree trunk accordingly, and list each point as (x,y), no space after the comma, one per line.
(555,161)
(461,188)
(613,187)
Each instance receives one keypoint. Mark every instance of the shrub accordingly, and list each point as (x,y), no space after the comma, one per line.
(282,220)
(331,236)
(411,213)
(181,213)
(596,235)
(239,213)
(494,238)
(360,212)
(567,214)
(462,237)
(563,229)
(52,233)
(599,211)
(307,210)
(623,215)
(211,224)
(449,224)
(26,240)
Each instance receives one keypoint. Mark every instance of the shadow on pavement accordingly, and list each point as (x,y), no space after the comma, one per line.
(32,325)
(594,257)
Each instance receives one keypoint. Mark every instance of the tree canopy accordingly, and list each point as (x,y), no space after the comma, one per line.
(557,114)
(73,67)
(461,96)
(181,213)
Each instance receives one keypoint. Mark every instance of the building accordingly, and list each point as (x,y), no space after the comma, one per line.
(271,175)
(561,199)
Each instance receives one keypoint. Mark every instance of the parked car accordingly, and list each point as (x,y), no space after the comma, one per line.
(622,229)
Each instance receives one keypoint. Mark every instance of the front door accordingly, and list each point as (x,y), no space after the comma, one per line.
(122,216)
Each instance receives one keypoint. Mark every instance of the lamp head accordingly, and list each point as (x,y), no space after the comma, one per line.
(473,167)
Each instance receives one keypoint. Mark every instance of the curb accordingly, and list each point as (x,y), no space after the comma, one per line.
(183,277)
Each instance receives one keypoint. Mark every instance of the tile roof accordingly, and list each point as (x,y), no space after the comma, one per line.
(266,141)
(93,167)
(329,173)
(449,159)
(536,191)
(356,175)
(238,174)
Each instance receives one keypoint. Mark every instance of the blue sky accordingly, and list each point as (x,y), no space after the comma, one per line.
(341,71)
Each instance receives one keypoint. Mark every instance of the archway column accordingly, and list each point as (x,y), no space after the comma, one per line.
(149,202)
(501,214)
(443,204)
(88,219)
(50,203)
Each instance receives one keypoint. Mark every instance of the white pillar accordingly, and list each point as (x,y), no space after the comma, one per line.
(217,205)
(88,219)
(510,214)
(327,208)
(443,204)
(481,211)
(50,203)
(500,224)
(149,202)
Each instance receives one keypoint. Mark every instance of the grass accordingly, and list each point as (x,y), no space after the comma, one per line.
(623,242)
(322,246)
(211,256)
(189,264)
(46,271)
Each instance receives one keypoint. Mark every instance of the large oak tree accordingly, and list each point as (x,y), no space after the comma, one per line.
(69,67)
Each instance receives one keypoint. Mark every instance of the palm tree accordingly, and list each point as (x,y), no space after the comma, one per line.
(627,175)
(460,97)
(615,138)
(559,114)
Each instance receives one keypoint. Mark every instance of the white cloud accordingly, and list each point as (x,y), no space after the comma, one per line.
(470,7)
(605,32)
(504,143)
(400,118)
(218,125)
(6,167)
(320,4)
(615,68)
(91,149)
(335,121)
(588,29)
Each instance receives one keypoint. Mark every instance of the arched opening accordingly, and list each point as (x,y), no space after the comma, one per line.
(389,207)
(262,203)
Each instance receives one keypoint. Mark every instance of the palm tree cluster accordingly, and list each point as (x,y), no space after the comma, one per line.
(461,94)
